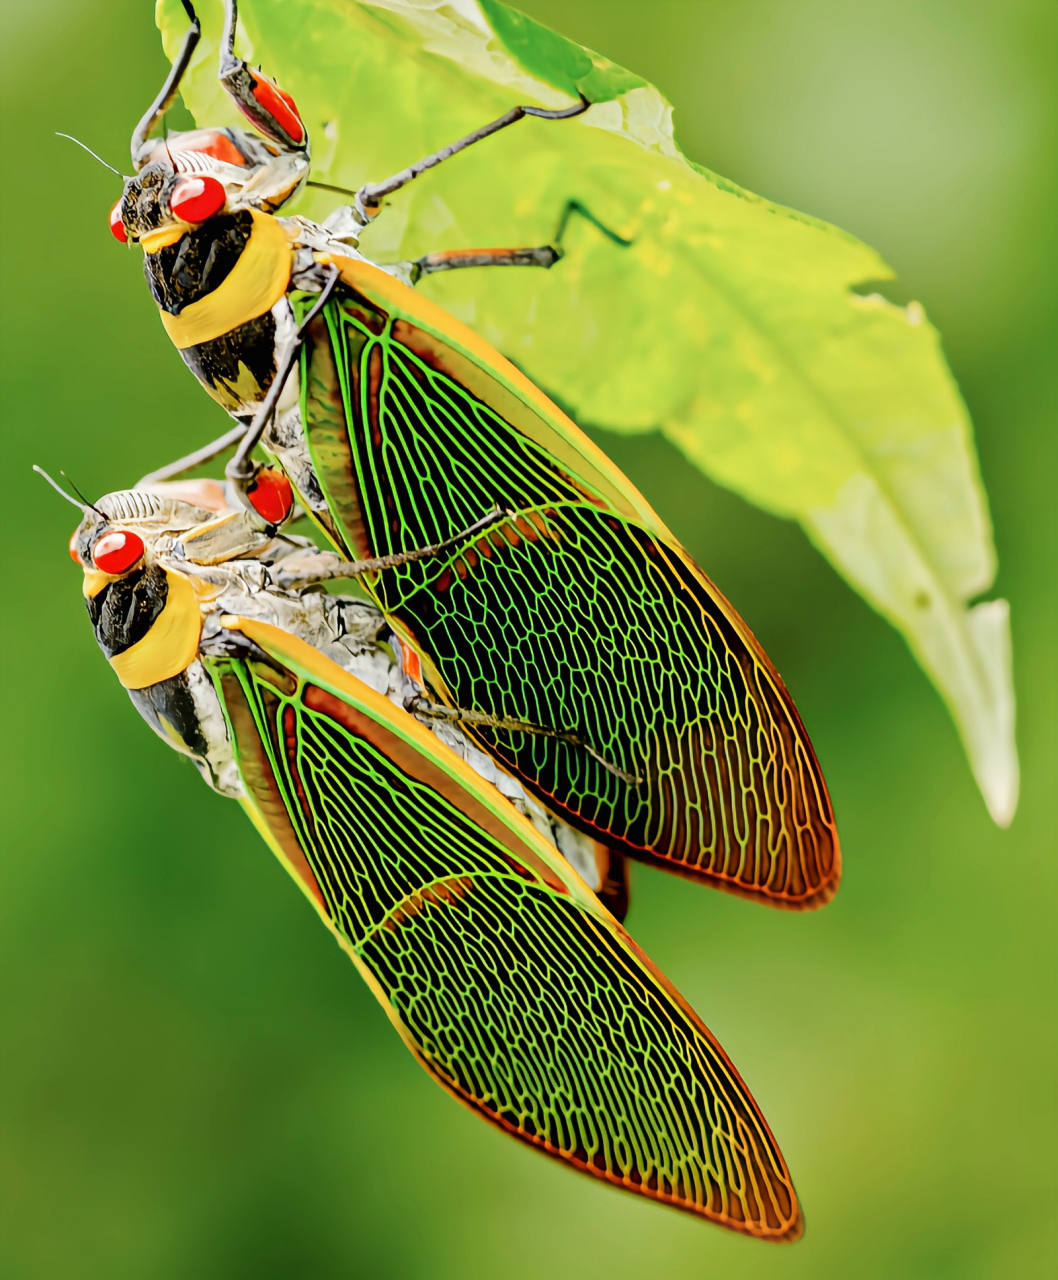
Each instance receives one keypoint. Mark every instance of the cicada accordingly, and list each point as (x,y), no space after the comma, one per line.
(504,974)
(579,642)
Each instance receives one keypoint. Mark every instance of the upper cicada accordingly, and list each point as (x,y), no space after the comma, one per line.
(575,638)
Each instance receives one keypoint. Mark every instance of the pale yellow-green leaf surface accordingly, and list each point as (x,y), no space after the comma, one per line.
(729,324)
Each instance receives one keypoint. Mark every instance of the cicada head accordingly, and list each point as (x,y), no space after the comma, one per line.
(189,177)
(148,612)
(128,531)
(182,526)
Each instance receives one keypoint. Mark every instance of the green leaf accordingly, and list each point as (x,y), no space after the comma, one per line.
(553,58)
(731,325)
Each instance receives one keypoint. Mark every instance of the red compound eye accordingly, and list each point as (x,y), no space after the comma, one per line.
(116,552)
(75,555)
(117,227)
(280,106)
(196,199)
(271,496)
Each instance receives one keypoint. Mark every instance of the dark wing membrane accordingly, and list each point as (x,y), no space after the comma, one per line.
(510,985)
(594,627)
(572,617)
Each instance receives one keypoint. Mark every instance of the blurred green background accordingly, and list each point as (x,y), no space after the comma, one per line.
(195,1082)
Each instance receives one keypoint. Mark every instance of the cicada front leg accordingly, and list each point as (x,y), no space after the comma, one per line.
(267,107)
(167,94)
(242,470)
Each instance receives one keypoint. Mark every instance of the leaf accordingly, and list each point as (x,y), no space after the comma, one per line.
(731,325)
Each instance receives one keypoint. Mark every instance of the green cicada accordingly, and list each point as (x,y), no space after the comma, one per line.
(580,644)
(499,967)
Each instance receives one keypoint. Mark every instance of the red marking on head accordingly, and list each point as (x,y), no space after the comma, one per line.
(75,555)
(280,106)
(211,142)
(271,496)
(117,227)
(196,199)
(116,552)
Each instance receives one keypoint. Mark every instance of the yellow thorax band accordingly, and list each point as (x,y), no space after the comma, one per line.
(170,646)
(252,287)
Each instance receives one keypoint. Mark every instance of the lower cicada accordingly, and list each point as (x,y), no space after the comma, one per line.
(441,878)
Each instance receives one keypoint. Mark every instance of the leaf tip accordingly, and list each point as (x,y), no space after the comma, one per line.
(1000,790)
(990,738)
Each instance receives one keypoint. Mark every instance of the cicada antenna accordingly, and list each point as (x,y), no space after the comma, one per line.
(90,505)
(83,506)
(71,138)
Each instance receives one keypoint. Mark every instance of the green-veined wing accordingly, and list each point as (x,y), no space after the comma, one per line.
(502,972)
(583,614)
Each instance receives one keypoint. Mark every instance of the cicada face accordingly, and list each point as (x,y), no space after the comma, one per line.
(189,178)
(177,524)
(123,530)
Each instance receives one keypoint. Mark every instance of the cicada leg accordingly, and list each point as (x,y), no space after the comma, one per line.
(242,469)
(356,568)
(197,459)
(482,719)
(270,110)
(169,90)
(368,199)
(544,255)
(575,207)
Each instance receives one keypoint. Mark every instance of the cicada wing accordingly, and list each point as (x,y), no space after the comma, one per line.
(587,623)
(580,614)
(541,1017)
(504,975)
